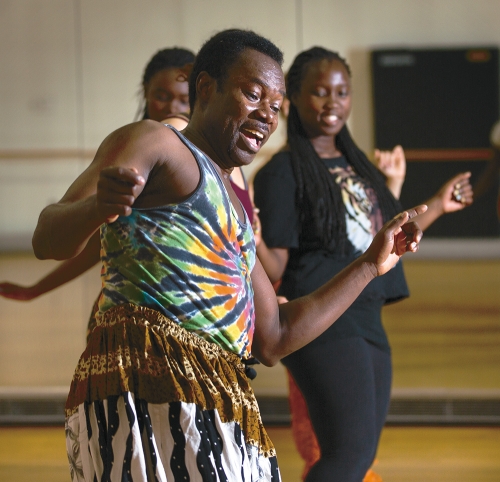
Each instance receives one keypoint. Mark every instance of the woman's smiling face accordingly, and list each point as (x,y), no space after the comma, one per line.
(324,99)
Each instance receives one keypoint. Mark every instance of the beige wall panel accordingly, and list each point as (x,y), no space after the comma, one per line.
(275,20)
(118,37)
(38,74)
(354,27)
(26,187)
(41,340)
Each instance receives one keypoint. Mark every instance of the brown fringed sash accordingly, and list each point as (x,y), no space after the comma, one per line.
(139,350)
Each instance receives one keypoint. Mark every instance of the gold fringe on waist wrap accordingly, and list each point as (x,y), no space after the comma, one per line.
(136,349)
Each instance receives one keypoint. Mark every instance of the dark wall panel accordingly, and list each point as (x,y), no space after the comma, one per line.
(440,105)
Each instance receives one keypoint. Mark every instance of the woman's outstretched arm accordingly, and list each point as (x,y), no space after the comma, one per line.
(65,272)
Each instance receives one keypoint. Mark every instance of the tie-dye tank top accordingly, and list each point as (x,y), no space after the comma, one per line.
(190,261)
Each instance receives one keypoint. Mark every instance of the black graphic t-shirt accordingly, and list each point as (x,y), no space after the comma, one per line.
(310,265)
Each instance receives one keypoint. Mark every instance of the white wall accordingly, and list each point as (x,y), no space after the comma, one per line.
(41,340)
(70,72)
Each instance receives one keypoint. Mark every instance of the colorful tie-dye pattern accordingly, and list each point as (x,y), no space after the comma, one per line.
(190,261)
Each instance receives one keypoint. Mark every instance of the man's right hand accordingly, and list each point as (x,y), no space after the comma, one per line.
(117,190)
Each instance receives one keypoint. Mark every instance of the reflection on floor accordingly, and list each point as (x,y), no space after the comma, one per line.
(447,334)
(418,454)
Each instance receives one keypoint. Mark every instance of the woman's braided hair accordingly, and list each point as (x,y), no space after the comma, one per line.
(318,195)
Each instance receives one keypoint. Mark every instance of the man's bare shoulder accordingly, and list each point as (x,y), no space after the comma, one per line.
(141,144)
(144,133)
(160,156)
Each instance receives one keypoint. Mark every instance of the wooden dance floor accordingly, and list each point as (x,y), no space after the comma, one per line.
(406,454)
(445,339)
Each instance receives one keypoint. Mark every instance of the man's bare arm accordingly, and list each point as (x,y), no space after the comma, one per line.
(105,190)
(281,330)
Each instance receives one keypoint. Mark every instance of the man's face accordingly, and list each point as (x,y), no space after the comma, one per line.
(242,113)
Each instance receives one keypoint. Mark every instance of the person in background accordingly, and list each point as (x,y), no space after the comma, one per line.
(164,87)
(490,177)
(164,97)
(320,203)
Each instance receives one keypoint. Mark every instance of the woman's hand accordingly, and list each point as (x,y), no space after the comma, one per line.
(398,236)
(455,194)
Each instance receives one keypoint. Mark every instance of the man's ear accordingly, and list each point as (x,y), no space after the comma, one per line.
(206,85)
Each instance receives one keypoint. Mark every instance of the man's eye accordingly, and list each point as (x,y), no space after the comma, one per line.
(252,96)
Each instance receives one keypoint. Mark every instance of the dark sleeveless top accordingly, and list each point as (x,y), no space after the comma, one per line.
(244,197)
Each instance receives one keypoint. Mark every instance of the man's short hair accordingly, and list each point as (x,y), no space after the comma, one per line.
(221,51)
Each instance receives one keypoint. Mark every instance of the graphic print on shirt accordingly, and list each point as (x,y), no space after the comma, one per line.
(363,216)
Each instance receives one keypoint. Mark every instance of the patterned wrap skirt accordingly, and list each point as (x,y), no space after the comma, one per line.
(150,401)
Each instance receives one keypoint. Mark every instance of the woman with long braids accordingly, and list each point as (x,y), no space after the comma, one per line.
(321,202)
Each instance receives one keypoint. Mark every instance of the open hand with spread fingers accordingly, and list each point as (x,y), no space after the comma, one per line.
(398,236)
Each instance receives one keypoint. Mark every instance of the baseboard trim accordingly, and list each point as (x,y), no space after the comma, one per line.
(456,407)
(408,407)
